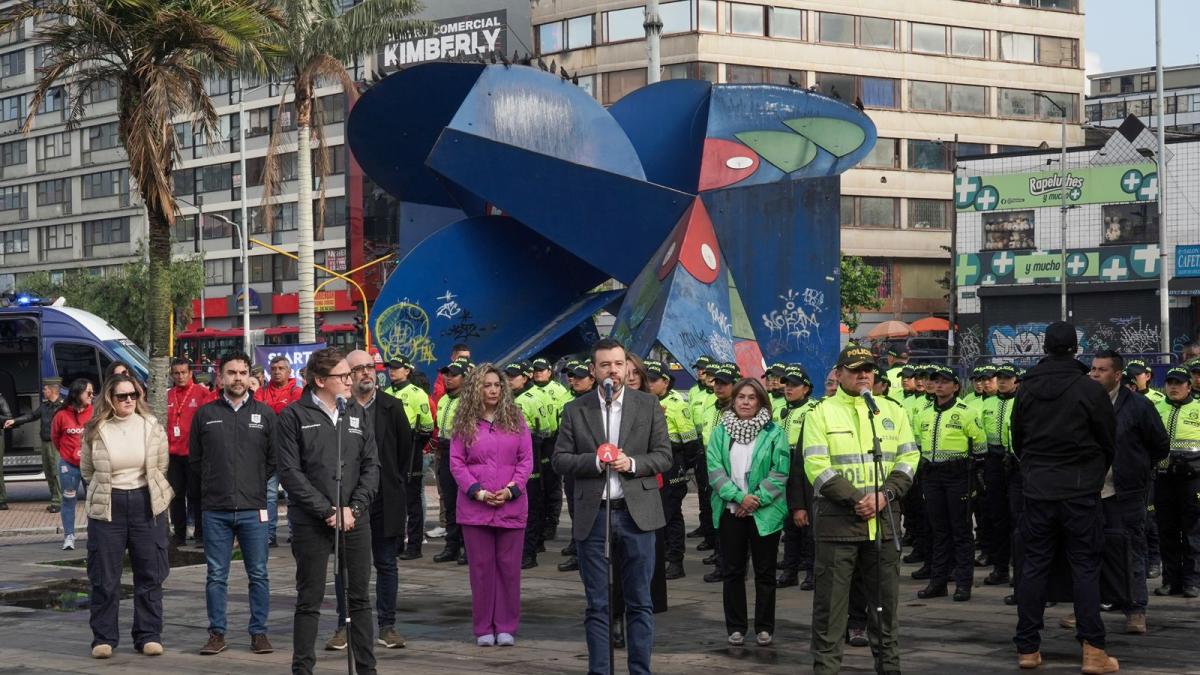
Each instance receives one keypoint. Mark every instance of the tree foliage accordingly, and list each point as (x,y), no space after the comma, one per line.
(859,289)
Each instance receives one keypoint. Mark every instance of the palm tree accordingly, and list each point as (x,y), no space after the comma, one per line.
(318,39)
(156,52)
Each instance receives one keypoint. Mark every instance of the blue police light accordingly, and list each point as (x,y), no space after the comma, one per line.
(24,299)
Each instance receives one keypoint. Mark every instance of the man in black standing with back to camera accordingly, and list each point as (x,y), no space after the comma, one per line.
(1063,434)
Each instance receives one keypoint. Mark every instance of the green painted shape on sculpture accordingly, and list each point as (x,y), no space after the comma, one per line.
(839,137)
(785,150)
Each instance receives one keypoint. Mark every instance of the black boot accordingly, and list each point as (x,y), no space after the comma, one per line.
(808,584)
(448,554)
(410,554)
(569,565)
(788,578)
(528,562)
(932,591)
(712,558)
(675,571)
(914,557)
(569,549)
(962,593)
(923,573)
(996,578)
(695,533)
(618,631)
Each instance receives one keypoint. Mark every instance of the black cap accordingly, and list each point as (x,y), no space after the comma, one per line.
(703,362)
(1061,338)
(923,370)
(1006,370)
(1193,365)
(1136,367)
(460,366)
(577,369)
(777,369)
(854,356)
(908,371)
(984,372)
(656,370)
(1179,375)
(724,372)
(945,372)
(400,362)
(514,369)
(795,375)
(540,363)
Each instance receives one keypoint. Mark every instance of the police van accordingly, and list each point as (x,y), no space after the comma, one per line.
(52,341)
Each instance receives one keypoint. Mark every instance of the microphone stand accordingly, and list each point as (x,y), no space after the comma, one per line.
(877,455)
(339,548)
(608,561)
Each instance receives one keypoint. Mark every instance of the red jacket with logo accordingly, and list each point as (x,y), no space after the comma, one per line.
(66,432)
(279,397)
(182,404)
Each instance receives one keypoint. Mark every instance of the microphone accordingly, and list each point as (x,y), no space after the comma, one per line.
(606,452)
(341,405)
(865,392)
(608,389)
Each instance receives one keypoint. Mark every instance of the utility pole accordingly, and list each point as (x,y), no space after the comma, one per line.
(199,232)
(653,26)
(1164,298)
(1062,209)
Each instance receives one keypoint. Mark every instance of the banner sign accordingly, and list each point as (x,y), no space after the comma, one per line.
(459,37)
(1108,263)
(297,355)
(1113,184)
(1187,261)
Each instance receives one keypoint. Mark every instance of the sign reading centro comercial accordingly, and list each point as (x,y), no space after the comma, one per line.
(459,37)
(1113,184)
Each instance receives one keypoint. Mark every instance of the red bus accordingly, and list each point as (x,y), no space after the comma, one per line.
(213,343)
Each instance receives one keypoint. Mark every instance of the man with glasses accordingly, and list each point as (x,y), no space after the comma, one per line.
(309,437)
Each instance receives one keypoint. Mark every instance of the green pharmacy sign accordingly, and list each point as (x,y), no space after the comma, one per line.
(1119,183)
(1106,264)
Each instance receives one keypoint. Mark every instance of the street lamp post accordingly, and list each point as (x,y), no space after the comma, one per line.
(1164,299)
(244,253)
(1062,209)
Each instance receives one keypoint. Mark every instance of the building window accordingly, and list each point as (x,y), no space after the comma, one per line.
(969,43)
(928,38)
(102,90)
(55,100)
(56,191)
(107,231)
(1009,230)
(745,19)
(102,137)
(707,14)
(56,237)
(285,268)
(588,84)
(677,17)
(928,156)
(836,28)
(1130,223)
(687,71)
(13,153)
(1106,85)
(786,23)
(550,37)
(12,198)
(218,272)
(1017,47)
(875,92)
(885,154)
(971,149)
(624,24)
(1017,103)
(15,241)
(12,63)
(1091,112)
(13,108)
(335,212)
(618,83)
(283,218)
(51,146)
(224,176)
(929,214)
(1021,103)
(106,184)
(876,33)
(1112,110)
(864,31)
(885,280)
(956,98)
(1040,49)
(869,211)
(927,96)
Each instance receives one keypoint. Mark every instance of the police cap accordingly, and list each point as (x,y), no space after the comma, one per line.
(1006,370)
(514,369)
(656,370)
(703,362)
(1136,367)
(400,362)
(540,363)
(726,373)
(1179,375)
(1193,365)
(795,375)
(855,356)
(777,369)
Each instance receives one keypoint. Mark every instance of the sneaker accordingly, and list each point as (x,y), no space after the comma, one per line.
(436,533)
(69,543)
(54,508)
(505,640)
(388,637)
(1154,571)
(102,652)
(215,644)
(737,639)
(858,637)
(763,639)
(259,644)
(152,649)
(485,641)
(338,642)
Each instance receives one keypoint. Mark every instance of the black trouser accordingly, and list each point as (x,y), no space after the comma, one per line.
(1177,507)
(449,495)
(384,550)
(980,509)
(797,547)
(1077,525)
(135,529)
(414,504)
(186,501)
(704,494)
(858,601)
(995,475)
(534,525)
(947,505)
(552,491)
(312,544)
(1128,513)
(674,533)
(739,539)
(916,522)
(1153,556)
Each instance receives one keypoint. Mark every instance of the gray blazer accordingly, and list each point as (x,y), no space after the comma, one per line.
(643,436)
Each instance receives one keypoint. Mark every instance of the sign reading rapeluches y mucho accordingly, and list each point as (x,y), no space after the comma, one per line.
(1114,184)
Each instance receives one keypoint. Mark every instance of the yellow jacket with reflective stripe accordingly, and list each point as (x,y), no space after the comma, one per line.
(996,412)
(416,406)
(950,433)
(792,420)
(838,462)
(445,418)
(1183,426)
(680,428)
(698,400)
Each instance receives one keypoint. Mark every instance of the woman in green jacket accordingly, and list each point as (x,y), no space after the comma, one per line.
(748,460)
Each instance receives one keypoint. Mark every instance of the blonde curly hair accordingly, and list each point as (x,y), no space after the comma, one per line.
(470,411)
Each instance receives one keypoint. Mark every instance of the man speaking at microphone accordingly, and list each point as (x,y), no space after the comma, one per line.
(638,429)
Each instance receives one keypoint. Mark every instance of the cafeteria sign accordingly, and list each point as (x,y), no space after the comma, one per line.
(1119,183)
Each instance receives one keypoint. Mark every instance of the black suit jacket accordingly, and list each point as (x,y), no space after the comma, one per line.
(642,436)
(394,440)
(1142,441)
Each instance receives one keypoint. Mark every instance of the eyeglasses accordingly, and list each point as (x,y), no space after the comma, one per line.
(358,370)
(127,396)
(344,377)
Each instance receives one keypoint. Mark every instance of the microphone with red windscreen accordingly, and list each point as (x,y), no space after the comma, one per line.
(607,452)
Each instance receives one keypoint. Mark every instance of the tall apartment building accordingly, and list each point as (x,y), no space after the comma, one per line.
(1115,95)
(926,71)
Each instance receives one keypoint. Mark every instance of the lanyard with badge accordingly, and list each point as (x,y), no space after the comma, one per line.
(176,431)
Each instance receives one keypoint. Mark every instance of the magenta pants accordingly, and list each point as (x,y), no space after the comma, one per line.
(494,558)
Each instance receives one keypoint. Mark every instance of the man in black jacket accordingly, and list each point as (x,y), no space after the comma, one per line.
(229,449)
(1063,430)
(308,438)
(394,443)
(52,402)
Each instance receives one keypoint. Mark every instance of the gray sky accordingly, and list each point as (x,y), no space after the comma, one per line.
(1120,34)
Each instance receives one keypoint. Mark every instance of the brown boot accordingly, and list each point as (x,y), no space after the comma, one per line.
(1029,661)
(1067,622)
(1135,624)
(1096,660)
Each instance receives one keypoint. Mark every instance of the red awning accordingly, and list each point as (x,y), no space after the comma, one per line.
(281,330)
(338,328)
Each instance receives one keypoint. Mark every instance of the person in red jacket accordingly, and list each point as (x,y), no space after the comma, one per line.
(280,392)
(66,433)
(183,400)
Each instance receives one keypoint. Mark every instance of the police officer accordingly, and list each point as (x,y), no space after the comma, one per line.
(849,509)
(580,381)
(722,375)
(797,535)
(1177,485)
(452,379)
(554,397)
(1138,376)
(950,434)
(897,362)
(699,397)
(1193,367)
(1141,375)
(532,404)
(420,423)
(916,521)
(774,380)
(685,444)
(995,413)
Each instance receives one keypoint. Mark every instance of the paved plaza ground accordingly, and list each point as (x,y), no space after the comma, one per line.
(937,636)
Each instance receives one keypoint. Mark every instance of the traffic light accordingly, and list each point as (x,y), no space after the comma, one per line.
(358,325)
(320,321)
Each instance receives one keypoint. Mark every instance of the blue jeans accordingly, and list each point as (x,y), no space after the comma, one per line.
(636,549)
(220,527)
(71,481)
(272,505)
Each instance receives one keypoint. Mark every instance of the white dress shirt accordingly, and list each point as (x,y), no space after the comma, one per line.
(741,455)
(613,432)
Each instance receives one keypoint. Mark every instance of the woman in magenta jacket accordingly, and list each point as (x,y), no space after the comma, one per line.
(491,456)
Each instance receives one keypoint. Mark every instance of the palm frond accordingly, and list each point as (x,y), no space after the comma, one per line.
(366,26)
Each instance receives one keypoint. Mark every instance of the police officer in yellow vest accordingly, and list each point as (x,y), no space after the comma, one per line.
(1177,490)
(850,508)
(950,438)
(774,387)
(1141,375)
(533,407)
(797,535)
(452,376)
(995,413)
(581,382)
(699,398)
(420,419)
(555,396)
(685,445)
